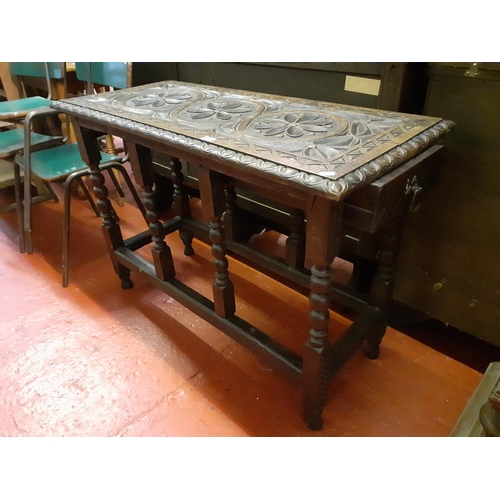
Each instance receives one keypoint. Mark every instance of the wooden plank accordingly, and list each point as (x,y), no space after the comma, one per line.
(468,425)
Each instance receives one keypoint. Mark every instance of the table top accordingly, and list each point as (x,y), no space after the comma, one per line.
(319,146)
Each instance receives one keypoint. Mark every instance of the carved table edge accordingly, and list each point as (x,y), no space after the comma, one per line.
(333,189)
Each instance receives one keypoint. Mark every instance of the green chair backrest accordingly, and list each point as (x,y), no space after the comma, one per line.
(56,69)
(110,74)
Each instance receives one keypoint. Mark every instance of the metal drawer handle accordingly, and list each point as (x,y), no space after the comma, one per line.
(413,188)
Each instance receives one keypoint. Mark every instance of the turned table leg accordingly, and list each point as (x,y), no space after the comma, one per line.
(161,253)
(315,374)
(111,229)
(212,193)
(223,289)
(142,165)
(383,283)
(322,244)
(89,149)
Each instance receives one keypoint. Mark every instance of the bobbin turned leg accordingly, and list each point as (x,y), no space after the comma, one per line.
(223,289)
(213,202)
(383,284)
(89,149)
(142,165)
(186,237)
(181,204)
(315,375)
(161,253)
(322,242)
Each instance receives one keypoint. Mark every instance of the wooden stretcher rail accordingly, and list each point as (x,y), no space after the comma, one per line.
(308,155)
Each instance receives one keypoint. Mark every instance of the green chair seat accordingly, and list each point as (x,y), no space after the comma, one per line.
(12,141)
(19,108)
(57,163)
(64,163)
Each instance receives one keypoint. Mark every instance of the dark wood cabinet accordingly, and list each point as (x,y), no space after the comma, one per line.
(449,264)
(450,254)
(401,85)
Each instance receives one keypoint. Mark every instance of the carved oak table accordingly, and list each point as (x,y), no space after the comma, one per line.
(310,155)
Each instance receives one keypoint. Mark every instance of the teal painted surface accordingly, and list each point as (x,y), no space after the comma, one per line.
(12,141)
(112,74)
(22,106)
(37,69)
(57,163)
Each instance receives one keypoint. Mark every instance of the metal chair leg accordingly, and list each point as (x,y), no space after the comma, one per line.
(86,191)
(51,191)
(66,221)
(79,178)
(27,183)
(75,176)
(115,215)
(19,208)
(28,240)
(118,187)
(121,169)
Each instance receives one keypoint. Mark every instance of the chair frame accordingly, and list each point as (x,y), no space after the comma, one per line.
(47,79)
(77,176)
(16,118)
(19,116)
(25,216)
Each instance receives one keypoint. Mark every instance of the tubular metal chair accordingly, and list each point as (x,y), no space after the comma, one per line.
(107,74)
(103,76)
(17,109)
(63,162)
(12,140)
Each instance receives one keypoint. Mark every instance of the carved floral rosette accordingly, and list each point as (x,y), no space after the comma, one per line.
(221,111)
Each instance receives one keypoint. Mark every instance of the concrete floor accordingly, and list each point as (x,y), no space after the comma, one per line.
(95,360)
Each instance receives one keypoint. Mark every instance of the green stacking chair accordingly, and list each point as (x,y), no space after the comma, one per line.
(108,74)
(12,141)
(17,109)
(64,162)
(14,111)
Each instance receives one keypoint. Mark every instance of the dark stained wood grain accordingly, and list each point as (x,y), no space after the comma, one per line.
(207,126)
(450,247)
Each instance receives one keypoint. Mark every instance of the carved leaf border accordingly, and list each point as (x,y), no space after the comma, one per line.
(333,189)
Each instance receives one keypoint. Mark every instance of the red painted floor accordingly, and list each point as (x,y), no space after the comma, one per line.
(95,360)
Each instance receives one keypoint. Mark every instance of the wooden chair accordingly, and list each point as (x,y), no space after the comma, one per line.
(63,162)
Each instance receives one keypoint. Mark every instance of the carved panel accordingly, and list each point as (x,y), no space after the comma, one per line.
(323,146)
